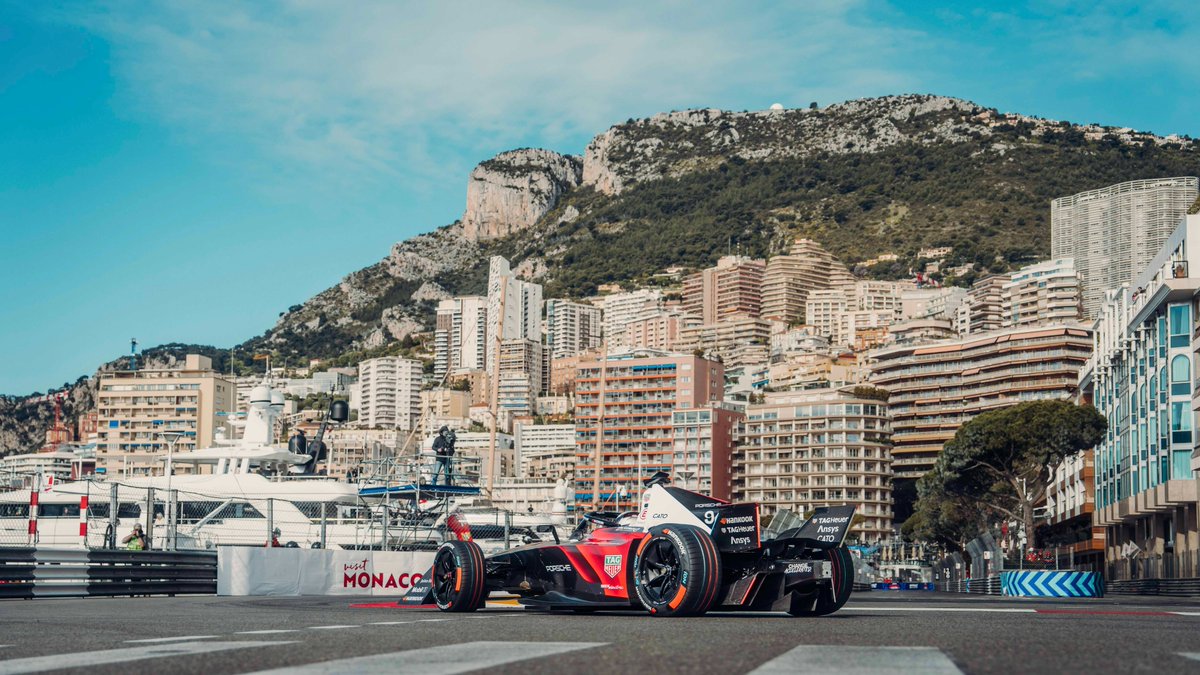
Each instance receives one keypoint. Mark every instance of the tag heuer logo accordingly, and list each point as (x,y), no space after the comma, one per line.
(612,565)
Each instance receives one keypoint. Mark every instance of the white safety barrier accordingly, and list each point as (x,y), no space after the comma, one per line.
(247,570)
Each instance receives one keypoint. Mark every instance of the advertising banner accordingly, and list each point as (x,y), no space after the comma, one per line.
(247,570)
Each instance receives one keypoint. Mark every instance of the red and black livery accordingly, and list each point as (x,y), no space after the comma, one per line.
(683,554)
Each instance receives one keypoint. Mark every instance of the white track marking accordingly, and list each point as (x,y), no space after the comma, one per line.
(430,620)
(999,610)
(388,623)
(180,638)
(1186,613)
(333,627)
(823,659)
(445,660)
(63,661)
(267,631)
(1195,656)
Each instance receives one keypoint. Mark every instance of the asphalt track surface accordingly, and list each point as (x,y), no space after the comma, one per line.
(877,632)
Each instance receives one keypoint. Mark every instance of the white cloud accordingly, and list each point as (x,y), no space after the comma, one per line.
(370,87)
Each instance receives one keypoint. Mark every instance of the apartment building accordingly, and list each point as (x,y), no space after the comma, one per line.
(134,407)
(660,331)
(545,451)
(827,447)
(460,335)
(390,392)
(983,310)
(788,279)
(702,459)
(1048,292)
(1113,232)
(739,339)
(936,387)
(621,309)
(444,407)
(734,286)
(571,328)
(1142,377)
(624,418)
(514,310)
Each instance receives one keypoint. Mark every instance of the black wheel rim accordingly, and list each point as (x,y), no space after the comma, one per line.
(445,571)
(658,571)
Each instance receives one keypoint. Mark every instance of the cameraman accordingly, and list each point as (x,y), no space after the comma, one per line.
(443,448)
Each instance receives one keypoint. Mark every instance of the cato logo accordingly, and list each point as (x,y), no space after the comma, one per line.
(612,565)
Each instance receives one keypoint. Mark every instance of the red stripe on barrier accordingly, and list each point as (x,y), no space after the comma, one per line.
(33,498)
(83,529)
(83,506)
(32,526)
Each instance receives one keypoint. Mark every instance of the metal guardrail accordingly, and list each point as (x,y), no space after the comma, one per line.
(985,586)
(1182,588)
(48,573)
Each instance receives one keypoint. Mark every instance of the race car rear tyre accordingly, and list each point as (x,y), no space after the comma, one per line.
(828,599)
(677,571)
(459,577)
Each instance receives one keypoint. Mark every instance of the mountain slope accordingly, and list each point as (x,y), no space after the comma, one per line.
(892,174)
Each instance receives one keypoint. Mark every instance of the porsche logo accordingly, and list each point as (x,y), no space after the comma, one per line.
(612,565)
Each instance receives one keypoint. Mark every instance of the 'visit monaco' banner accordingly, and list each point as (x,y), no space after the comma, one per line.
(247,570)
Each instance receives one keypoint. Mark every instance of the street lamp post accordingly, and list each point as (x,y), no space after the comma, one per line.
(172,438)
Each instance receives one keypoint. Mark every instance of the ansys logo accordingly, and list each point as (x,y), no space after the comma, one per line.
(612,565)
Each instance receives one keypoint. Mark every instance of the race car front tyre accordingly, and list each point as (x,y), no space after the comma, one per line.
(677,571)
(828,599)
(459,577)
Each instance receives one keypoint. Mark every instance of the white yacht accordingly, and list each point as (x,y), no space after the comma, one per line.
(247,488)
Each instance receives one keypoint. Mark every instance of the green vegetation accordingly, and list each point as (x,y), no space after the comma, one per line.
(993,208)
(997,466)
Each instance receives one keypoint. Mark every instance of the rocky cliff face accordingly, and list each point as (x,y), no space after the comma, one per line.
(386,301)
(514,189)
(671,144)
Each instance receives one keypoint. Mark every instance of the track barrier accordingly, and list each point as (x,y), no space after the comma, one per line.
(985,586)
(904,586)
(247,570)
(50,573)
(1180,588)
(1052,584)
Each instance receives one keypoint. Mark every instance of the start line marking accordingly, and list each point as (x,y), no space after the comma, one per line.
(38,664)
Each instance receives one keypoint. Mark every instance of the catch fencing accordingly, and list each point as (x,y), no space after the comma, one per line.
(49,573)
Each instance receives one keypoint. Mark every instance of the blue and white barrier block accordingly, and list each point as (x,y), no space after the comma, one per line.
(1052,584)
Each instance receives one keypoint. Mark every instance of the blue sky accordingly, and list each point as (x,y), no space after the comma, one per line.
(184,171)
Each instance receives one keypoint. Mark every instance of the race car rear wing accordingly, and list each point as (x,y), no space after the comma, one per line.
(827,527)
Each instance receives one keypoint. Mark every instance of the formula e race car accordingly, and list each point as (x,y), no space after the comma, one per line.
(682,554)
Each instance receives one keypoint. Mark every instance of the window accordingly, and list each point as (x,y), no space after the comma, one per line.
(1181,376)
(1180,316)
(1181,422)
